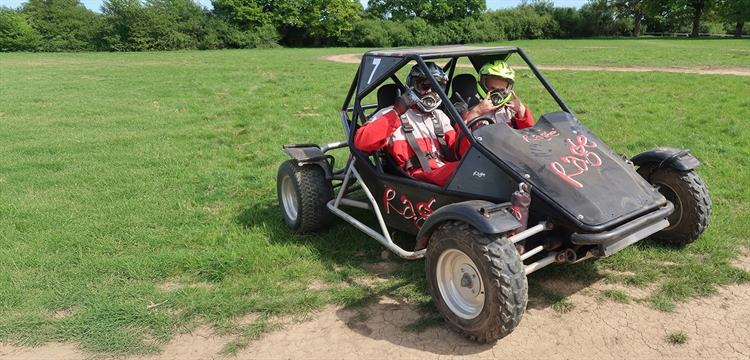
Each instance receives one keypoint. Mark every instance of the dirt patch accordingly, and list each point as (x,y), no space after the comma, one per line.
(176,284)
(739,71)
(343,58)
(716,327)
(743,259)
(688,70)
(382,268)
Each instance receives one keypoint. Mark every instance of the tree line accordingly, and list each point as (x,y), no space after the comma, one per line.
(147,25)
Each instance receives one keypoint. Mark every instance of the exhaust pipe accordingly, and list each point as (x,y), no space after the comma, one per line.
(566,256)
(552,243)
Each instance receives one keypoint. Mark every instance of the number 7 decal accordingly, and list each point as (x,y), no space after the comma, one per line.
(376,62)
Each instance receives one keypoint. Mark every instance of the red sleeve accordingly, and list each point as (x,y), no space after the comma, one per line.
(526,121)
(373,135)
(463,146)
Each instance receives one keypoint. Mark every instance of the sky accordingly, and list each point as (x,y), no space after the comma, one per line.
(491,4)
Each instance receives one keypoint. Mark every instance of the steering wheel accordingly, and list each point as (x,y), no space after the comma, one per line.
(473,124)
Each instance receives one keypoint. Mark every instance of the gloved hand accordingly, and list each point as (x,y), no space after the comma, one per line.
(404,102)
(461,106)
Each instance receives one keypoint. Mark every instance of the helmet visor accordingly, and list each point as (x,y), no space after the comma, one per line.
(423,84)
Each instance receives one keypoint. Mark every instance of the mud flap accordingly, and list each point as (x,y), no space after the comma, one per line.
(310,154)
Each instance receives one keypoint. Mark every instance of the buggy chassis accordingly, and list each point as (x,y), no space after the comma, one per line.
(467,230)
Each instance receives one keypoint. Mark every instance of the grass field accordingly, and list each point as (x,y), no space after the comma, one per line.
(138,190)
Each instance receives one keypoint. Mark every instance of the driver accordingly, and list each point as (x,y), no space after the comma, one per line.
(499,101)
(414,131)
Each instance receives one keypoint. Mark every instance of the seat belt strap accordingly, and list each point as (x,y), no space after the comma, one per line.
(409,133)
(445,150)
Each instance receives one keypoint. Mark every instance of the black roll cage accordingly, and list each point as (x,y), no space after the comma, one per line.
(478,56)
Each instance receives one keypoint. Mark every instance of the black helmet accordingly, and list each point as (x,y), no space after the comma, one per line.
(430,101)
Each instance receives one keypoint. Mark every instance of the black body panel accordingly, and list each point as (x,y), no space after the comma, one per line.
(477,175)
(573,168)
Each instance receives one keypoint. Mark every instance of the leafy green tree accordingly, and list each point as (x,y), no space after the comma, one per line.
(176,24)
(570,22)
(737,12)
(635,9)
(600,18)
(127,25)
(430,10)
(664,16)
(64,25)
(697,8)
(15,32)
(419,33)
(541,7)
(247,14)
(318,21)
(523,22)
(329,19)
(298,21)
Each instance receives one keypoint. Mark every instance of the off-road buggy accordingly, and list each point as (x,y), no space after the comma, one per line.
(586,201)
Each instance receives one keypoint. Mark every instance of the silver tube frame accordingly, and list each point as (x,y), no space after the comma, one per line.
(383,237)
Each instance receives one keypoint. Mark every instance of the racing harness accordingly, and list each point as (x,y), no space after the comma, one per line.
(421,156)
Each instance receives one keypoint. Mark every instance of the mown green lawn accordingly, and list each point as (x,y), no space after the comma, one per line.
(138,194)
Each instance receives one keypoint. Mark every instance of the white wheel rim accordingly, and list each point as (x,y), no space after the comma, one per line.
(289,198)
(460,284)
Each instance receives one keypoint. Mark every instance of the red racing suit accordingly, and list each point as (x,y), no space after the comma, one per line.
(386,130)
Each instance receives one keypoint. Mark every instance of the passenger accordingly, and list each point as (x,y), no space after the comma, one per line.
(500,102)
(414,131)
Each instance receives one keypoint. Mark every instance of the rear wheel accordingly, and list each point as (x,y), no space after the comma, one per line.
(303,193)
(477,281)
(692,203)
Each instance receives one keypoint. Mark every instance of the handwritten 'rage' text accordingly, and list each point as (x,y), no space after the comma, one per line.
(581,159)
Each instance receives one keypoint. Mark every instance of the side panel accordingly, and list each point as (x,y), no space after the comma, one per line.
(405,204)
(406,207)
(477,175)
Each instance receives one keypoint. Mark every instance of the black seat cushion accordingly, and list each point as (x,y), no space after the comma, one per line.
(466,85)
(387,95)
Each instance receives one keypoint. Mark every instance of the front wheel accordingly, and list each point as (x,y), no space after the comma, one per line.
(692,203)
(476,280)
(303,193)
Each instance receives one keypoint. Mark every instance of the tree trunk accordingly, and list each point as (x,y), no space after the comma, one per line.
(738,29)
(637,28)
(697,19)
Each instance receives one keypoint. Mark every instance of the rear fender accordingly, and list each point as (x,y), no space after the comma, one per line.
(667,156)
(310,154)
(485,216)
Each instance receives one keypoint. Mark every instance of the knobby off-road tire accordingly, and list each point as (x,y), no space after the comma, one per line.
(303,193)
(692,203)
(476,280)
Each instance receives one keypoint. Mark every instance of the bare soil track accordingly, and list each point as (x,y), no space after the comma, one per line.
(739,71)
(596,327)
